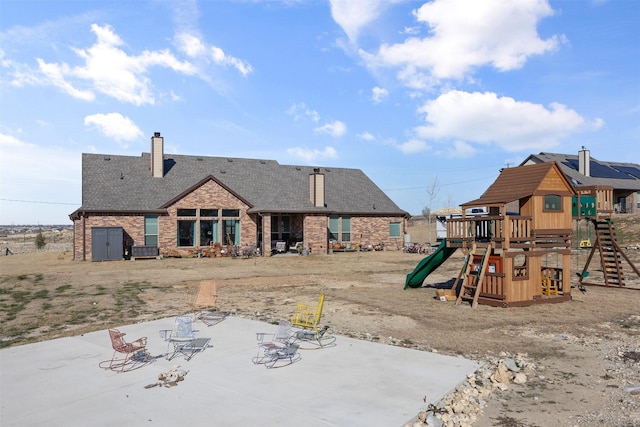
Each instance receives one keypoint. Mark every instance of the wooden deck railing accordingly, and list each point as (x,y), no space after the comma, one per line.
(513,229)
(603,195)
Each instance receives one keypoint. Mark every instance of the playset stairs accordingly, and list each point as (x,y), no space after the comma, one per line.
(470,289)
(611,255)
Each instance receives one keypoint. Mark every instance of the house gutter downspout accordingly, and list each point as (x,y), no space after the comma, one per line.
(262,228)
(84,238)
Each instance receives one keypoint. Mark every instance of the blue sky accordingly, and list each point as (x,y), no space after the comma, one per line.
(430,99)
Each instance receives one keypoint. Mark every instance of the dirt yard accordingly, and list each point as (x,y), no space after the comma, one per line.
(583,355)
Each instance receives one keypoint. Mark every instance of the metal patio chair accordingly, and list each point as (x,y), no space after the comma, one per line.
(277,350)
(307,321)
(127,356)
(182,339)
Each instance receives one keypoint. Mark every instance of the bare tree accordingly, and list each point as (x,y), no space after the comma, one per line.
(432,192)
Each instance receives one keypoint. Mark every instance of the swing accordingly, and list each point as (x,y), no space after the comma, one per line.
(583,245)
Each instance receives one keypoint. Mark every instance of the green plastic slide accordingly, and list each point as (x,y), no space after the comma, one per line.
(428,264)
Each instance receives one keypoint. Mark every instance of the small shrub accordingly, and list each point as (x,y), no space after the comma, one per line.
(40,241)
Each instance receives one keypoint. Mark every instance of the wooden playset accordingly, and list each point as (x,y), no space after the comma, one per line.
(520,253)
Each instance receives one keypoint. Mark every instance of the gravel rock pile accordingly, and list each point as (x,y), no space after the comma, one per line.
(502,376)
(462,407)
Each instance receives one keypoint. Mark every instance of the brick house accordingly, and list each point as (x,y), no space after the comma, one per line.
(166,202)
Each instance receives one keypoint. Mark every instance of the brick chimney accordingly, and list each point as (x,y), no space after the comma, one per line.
(316,188)
(584,162)
(157,155)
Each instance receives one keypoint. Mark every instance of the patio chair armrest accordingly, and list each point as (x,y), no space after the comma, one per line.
(303,308)
(260,336)
(141,341)
(303,317)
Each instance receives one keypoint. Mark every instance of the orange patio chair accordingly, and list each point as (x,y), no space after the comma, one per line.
(127,356)
(203,303)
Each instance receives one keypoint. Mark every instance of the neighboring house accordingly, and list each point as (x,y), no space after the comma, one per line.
(185,202)
(582,170)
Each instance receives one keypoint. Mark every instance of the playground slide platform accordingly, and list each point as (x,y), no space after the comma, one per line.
(428,265)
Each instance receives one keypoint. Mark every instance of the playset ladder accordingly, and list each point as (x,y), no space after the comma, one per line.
(470,290)
(611,254)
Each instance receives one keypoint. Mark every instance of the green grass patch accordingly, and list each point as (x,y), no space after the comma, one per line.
(21,297)
(77,317)
(12,310)
(41,294)
(63,288)
(129,294)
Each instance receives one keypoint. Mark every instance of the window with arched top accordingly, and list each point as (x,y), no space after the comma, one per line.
(553,202)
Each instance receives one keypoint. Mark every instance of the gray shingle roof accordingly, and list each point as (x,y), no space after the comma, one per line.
(614,174)
(124,184)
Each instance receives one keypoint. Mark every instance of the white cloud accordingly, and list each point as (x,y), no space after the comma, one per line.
(353,15)
(114,73)
(193,47)
(413,146)
(114,125)
(335,128)
(54,74)
(107,69)
(460,150)
(378,94)
(465,35)
(366,136)
(190,45)
(221,58)
(300,111)
(312,155)
(486,118)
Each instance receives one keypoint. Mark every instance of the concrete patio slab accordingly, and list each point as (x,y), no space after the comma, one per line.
(355,383)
